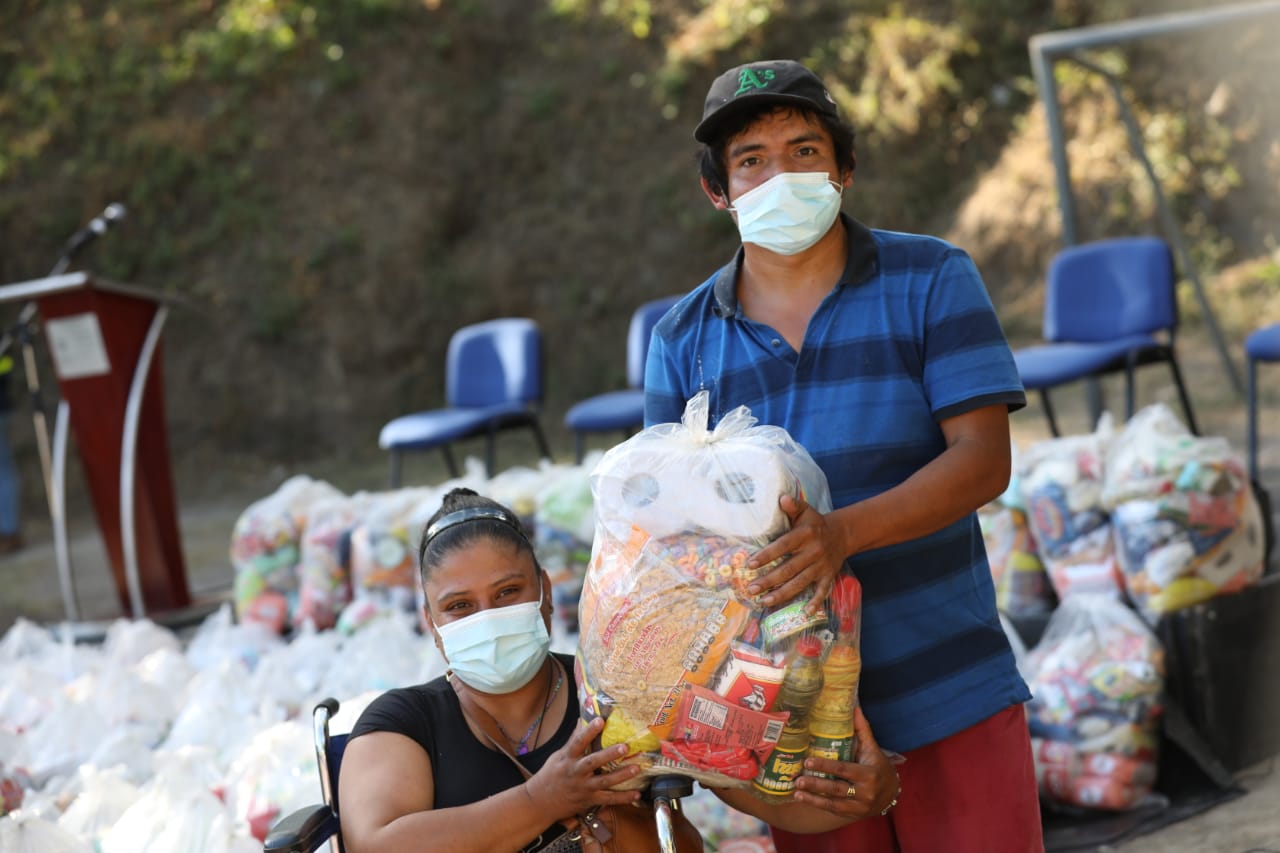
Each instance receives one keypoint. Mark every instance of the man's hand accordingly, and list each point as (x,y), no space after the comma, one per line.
(864,787)
(811,554)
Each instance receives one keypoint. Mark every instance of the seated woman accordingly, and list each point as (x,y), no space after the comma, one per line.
(419,773)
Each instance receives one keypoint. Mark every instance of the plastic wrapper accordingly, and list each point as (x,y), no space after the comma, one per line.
(1186,522)
(274,775)
(324,557)
(265,546)
(517,489)
(384,547)
(128,750)
(289,678)
(1022,585)
(177,811)
(1094,715)
(15,781)
(28,693)
(24,833)
(363,664)
(689,670)
(216,695)
(128,641)
(104,796)
(62,740)
(1061,485)
(220,638)
(563,530)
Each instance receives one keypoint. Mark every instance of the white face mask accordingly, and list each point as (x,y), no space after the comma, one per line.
(789,212)
(497,650)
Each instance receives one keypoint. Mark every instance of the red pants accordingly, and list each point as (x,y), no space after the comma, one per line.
(974,792)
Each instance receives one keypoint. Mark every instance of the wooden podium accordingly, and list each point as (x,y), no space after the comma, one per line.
(104,342)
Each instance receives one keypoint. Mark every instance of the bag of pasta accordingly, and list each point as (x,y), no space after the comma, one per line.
(687,667)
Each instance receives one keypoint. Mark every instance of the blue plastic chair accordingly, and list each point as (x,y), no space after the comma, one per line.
(1110,305)
(620,411)
(307,829)
(1261,345)
(493,382)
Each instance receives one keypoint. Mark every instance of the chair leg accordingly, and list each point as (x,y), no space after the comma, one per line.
(1096,398)
(394,473)
(579,448)
(449,460)
(1048,412)
(1253,420)
(1183,396)
(1128,384)
(543,447)
(490,452)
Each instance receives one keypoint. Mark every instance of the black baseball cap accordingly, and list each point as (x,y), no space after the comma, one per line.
(784,82)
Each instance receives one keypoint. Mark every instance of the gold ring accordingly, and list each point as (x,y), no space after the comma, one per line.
(849,794)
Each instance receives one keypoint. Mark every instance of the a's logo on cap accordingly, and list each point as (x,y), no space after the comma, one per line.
(748,80)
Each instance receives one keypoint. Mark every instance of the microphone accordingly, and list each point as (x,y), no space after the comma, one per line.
(97,226)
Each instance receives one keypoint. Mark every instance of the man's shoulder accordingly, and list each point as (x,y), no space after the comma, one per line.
(694,308)
(901,247)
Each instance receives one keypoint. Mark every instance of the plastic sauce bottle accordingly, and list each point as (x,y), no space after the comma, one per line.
(776,781)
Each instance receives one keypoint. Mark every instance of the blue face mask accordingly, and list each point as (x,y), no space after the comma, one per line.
(498,650)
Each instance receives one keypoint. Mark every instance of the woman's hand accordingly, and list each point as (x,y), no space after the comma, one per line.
(812,553)
(864,787)
(568,784)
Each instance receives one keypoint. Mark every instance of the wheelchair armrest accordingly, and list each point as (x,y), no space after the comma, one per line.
(302,831)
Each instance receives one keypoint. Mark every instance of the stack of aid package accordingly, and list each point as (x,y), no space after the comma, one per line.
(1097,676)
(1187,523)
(688,668)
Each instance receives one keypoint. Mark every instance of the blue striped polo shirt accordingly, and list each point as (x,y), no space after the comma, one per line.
(906,339)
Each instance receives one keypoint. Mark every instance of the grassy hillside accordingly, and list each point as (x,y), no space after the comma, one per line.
(334,186)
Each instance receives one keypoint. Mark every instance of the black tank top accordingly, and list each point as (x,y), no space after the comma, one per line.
(465,770)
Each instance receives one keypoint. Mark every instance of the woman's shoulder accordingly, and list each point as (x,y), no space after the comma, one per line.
(403,708)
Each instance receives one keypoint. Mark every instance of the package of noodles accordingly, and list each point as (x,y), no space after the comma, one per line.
(688,668)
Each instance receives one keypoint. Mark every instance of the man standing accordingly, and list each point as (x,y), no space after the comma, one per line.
(881,354)
(10,508)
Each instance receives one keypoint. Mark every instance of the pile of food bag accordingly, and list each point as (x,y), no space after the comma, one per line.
(308,554)
(1096,680)
(683,662)
(142,744)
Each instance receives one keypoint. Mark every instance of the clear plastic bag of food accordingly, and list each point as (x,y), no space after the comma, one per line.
(1187,524)
(264,551)
(689,669)
(1061,483)
(1022,584)
(1097,683)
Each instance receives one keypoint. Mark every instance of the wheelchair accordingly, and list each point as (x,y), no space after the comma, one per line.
(310,828)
